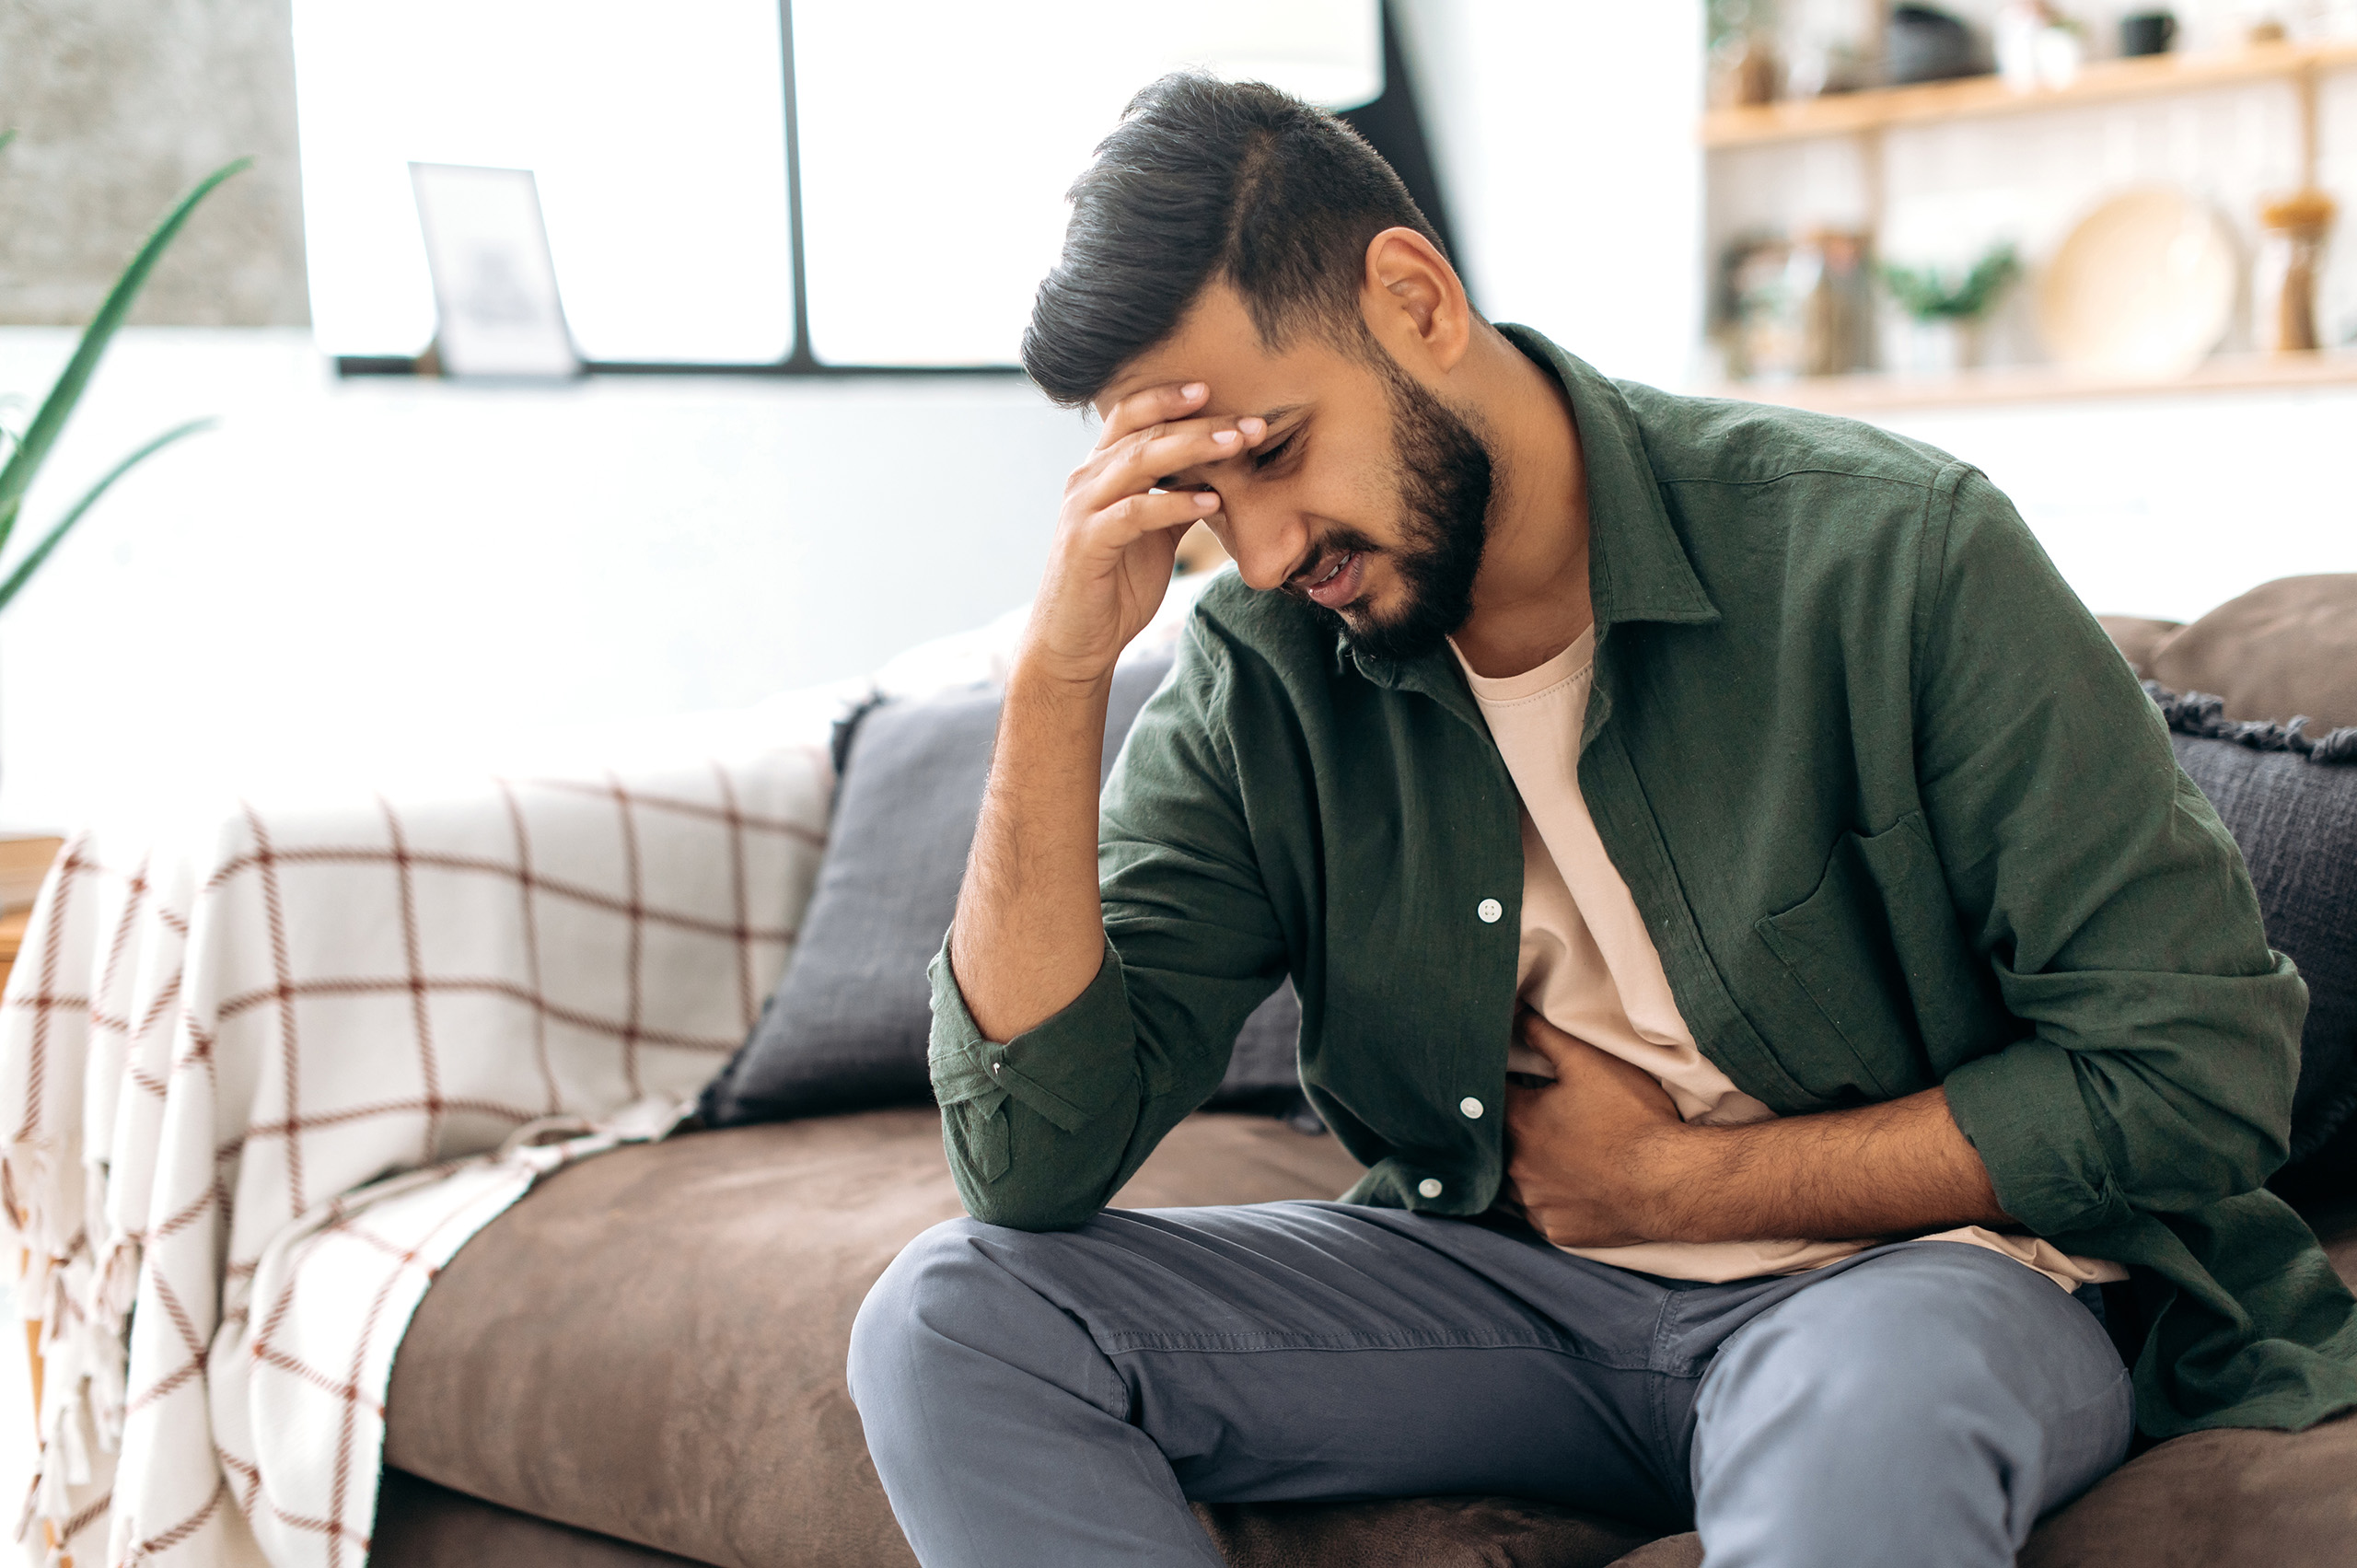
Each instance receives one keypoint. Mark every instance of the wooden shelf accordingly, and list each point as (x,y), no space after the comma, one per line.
(1867,394)
(1971,98)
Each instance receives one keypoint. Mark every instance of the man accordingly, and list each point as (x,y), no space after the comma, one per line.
(1750,775)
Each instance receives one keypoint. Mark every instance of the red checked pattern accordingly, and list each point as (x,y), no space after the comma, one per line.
(253,1089)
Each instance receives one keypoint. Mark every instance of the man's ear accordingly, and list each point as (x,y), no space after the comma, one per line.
(1414,303)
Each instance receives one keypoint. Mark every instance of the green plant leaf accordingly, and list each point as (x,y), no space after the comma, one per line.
(25,568)
(7,136)
(17,474)
(1924,294)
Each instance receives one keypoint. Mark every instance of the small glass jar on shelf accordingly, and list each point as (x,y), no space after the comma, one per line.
(2283,280)
(1791,307)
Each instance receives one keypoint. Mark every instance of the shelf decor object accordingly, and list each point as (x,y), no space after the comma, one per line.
(1923,43)
(2283,279)
(2133,359)
(2144,285)
(1949,315)
(2036,46)
(496,307)
(2101,81)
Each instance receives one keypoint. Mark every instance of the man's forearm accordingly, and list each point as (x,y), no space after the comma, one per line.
(1029,932)
(1877,1170)
(1600,1159)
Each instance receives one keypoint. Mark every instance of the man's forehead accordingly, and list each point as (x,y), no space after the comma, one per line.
(1228,398)
(1239,385)
(1217,342)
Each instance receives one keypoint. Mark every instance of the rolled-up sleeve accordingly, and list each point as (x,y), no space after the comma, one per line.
(2110,903)
(1063,1083)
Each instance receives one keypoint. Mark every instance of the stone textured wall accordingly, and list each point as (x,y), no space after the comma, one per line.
(118,107)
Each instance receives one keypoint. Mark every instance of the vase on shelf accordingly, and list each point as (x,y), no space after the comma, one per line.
(1943,345)
(2283,278)
(1948,312)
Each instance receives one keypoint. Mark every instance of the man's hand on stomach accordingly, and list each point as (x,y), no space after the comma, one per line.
(1599,1158)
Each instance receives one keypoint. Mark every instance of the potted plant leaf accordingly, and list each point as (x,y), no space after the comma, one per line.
(25,449)
(1948,314)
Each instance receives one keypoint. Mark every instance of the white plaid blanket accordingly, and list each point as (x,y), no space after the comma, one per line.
(213,1046)
(259,1082)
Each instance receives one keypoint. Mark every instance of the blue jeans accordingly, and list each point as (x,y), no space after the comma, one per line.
(1043,1399)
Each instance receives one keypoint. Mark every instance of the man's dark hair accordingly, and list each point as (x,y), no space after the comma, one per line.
(1206,179)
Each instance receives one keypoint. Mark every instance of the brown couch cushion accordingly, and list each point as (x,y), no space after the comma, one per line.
(2213,1500)
(2216,1500)
(650,1347)
(2137,638)
(1416,1532)
(2286,648)
(420,1525)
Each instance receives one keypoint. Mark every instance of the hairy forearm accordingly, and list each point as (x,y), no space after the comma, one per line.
(1876,1170)
(1029,932)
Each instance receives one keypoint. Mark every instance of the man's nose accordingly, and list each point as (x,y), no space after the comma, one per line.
(1267,543)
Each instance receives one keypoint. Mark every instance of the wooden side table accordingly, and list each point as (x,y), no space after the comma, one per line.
(23,863)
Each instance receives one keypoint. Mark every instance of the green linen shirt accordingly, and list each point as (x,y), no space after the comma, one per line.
(1894,812)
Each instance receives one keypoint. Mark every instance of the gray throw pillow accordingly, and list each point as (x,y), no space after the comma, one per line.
(2295,818)
(847,1027)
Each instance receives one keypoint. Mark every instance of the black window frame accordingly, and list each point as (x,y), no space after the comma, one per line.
(1393,124)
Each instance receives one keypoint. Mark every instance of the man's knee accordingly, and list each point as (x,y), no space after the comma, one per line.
(925,1290)
(959,1291)
(1923,1371)
(1938,1325)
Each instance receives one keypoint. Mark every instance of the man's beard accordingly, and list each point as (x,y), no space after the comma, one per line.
(1444,478)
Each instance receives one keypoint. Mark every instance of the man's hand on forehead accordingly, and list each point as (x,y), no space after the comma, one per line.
(1122,514)
(1166,424)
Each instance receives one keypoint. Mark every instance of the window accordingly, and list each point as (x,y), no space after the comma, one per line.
(654,132)
(929,143)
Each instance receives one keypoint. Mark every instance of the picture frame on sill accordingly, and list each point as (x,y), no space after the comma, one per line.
(497,307)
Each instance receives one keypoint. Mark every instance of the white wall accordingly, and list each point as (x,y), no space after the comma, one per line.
(349,569)
(1563,136)
(2169,506)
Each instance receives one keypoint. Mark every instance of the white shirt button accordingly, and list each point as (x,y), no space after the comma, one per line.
(997,1068)
(1429,1187)
(1471,1107)
(1489,909)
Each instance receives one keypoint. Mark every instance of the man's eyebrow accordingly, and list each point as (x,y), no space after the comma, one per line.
(1270,419)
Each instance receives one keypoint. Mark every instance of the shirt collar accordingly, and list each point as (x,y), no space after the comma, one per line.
(1637,568)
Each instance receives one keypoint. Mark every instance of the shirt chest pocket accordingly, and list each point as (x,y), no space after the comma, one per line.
(1886,996)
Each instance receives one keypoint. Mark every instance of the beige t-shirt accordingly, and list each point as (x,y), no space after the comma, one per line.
(1589,968)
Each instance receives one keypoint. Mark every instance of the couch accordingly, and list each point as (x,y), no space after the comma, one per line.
(641,1362)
